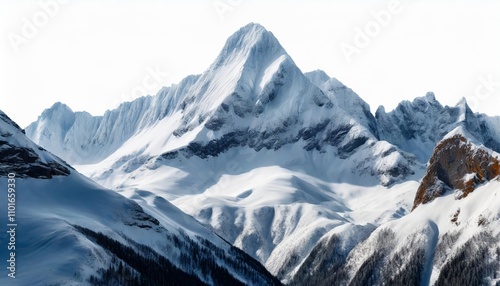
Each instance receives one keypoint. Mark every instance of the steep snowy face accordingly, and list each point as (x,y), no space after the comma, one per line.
(255,96)
(81,231)
(234,83)
(318,77)
(346,98)
(21,156)
(456,165)
(418,126)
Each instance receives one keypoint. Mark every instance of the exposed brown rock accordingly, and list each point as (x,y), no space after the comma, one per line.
(452,159)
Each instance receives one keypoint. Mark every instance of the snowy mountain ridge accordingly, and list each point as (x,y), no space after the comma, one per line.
(82,139)
(419,125)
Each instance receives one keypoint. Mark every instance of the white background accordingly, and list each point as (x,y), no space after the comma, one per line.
(92,55)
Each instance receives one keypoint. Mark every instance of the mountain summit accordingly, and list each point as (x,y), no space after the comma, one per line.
(251,43)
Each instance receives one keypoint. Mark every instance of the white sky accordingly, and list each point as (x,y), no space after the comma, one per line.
(94,54)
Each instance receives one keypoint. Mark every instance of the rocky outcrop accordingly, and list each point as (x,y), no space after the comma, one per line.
(25,163)
(20,156)
(456,165)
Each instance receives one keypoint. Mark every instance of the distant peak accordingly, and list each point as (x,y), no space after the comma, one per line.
(253,26)
(60,106)
(462,102)
(59,110)
(318,73)
(430,96)
(420,102)
(464,109)
(248,35)
(318,77)
(380,111)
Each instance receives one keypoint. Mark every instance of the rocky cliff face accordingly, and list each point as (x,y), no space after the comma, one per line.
(21,156)
(456,165)
(417,126)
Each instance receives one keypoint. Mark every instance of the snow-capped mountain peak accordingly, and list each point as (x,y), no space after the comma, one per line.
(430,96)
(248,44)
(466,115)
(57,108)
(318,77)
(461,102)
(243,78)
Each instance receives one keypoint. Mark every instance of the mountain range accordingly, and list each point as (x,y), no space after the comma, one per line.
(257,173)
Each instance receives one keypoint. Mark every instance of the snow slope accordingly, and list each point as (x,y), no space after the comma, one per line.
(271,205)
